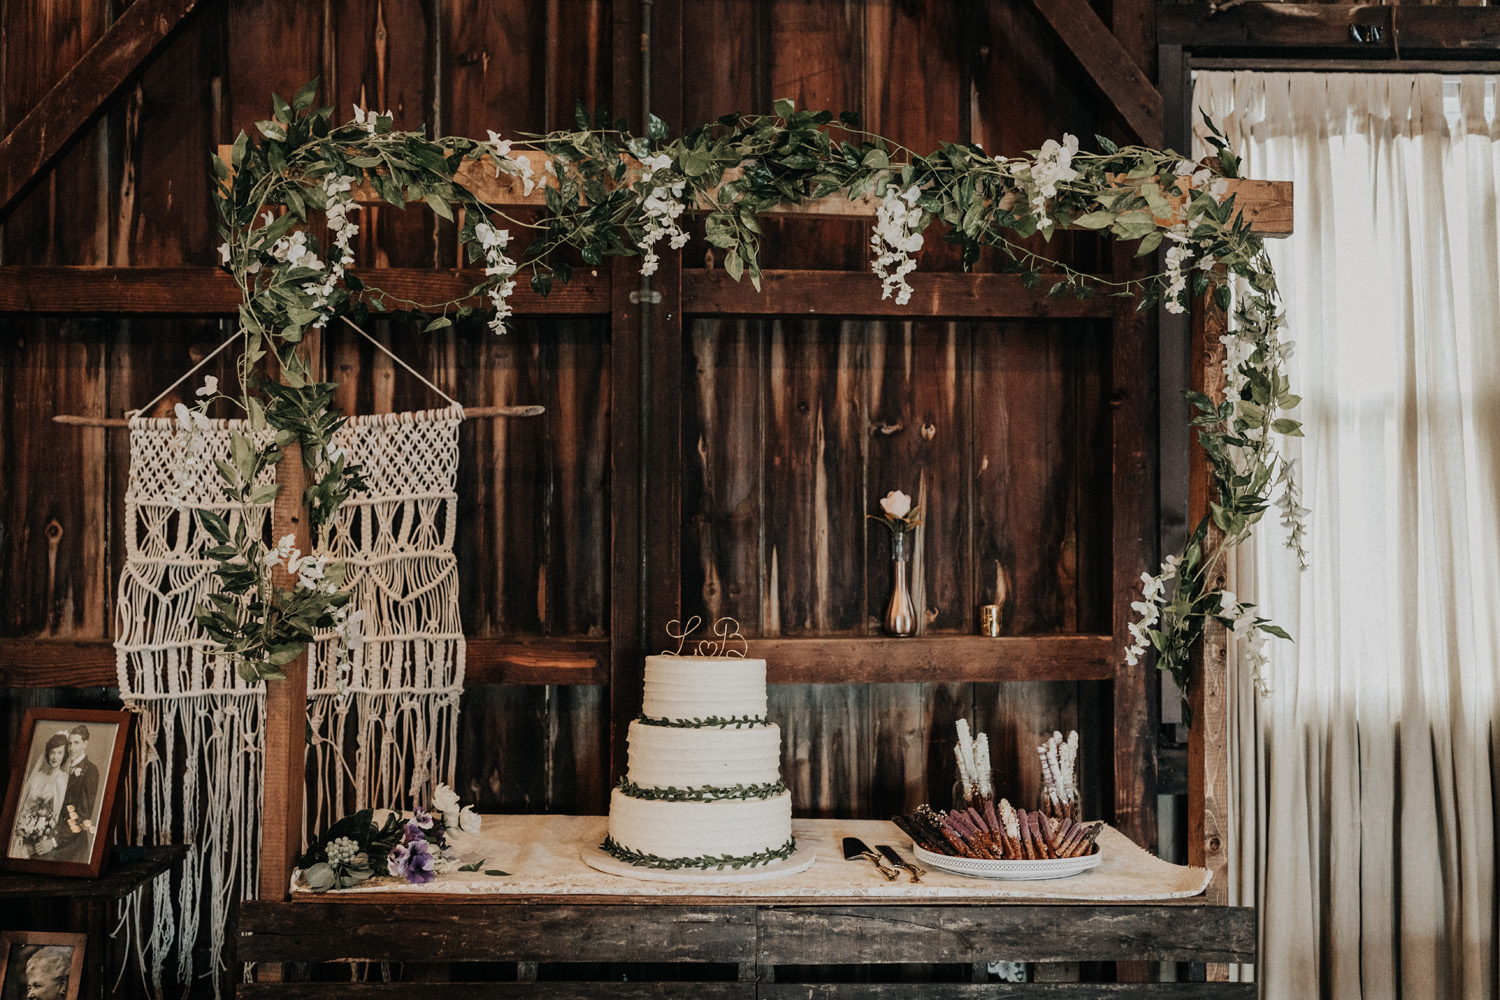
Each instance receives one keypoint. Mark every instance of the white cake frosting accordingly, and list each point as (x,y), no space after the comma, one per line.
(730,827)
(704,771)
(676,757)
(700,687)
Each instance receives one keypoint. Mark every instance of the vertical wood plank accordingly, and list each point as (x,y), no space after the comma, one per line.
(294,32)
(579,60)
(53,560)
(167,124)
(627,552)
(912,733)
(65,218)
(380,57)
(721,471)
(918,430)
(815,455)
(825,747)
(1136,698)
(1208,737)
(1019,716)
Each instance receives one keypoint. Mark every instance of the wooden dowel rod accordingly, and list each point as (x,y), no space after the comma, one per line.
(470,413)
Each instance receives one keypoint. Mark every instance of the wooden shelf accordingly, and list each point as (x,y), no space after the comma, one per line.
(120,878)
(925,659)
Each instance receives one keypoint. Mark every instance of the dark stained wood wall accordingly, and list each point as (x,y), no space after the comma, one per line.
(791,428)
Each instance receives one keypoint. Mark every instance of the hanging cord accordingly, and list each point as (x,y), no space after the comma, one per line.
(396,358)
(189,374)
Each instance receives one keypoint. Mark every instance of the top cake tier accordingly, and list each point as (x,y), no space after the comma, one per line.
(701,688)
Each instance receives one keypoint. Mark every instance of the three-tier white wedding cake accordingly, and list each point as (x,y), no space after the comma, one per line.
(703,788)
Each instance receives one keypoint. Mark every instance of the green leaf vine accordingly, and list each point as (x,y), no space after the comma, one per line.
(609,193)
(705,861)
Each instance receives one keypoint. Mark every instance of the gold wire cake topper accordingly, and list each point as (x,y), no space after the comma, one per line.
(726,630)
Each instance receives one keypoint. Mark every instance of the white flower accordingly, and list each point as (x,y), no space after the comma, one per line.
(1152,586)
(445,800)
(896,504)
(210,386)
(896,238)
(1218,189)
(1228,604)
(367,119)
(1185,168)
(524,162)
(469,821)
(224,253)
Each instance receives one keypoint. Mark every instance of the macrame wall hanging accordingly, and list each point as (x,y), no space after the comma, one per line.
(382,724)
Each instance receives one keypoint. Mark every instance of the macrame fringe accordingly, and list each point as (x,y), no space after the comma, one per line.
(383,729)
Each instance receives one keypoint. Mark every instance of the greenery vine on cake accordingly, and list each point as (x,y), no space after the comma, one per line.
(702,861)
(703,793)
(609,193)
(712,722)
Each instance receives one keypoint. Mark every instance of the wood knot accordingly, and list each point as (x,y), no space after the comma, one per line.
(54,530)
(887,429)
(1214,845)
(928,432)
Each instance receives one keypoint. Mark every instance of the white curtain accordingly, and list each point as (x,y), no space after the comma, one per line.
(1366,779)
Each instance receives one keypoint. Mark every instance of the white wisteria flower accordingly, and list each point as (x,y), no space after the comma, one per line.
(661,206)
(368,120)
(493,242)
(897,236)
(469,821)
(209,387)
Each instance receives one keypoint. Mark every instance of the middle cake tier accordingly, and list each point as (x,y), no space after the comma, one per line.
(684,757)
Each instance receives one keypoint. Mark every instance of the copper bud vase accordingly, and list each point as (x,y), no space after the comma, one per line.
(900,616)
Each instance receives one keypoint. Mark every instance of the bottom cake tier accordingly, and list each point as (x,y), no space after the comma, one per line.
(741,833)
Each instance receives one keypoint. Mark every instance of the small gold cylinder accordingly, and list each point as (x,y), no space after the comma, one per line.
(989,620)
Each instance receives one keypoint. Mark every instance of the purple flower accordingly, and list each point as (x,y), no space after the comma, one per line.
(422,818)
(419,863)
(398,862)
(412,832)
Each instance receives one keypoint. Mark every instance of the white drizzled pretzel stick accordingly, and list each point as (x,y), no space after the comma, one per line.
(1059,759)
(984,773)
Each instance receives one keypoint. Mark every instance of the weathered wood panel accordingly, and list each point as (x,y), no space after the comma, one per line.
(166,216)
(1007,991)
(446,932)
(64,219)
(484,991)
(815,445)
(806,935)
(54,508)
(723,464)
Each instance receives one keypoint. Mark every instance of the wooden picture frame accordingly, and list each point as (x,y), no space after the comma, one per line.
(12,943)
(62,826)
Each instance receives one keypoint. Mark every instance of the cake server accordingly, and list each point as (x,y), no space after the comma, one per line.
(854,848)
(895,858)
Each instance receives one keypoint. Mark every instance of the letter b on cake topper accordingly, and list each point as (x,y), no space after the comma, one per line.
(726,631)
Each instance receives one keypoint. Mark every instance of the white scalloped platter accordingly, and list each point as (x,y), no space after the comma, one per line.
(1011,871)
(800,860)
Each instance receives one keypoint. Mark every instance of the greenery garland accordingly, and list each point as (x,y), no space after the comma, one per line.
(703,861)
(609,193)
(703,793)
(712,722)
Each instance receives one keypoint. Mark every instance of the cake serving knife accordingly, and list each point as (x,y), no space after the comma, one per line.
(854,848)
(896,859)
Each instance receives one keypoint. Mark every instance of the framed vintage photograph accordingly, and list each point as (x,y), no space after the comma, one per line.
(64,772)
(38,965)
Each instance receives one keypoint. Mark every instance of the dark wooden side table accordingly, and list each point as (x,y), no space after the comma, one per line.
(91,898)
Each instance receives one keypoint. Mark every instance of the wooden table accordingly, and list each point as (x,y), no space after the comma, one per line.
(753,932)
(93,897)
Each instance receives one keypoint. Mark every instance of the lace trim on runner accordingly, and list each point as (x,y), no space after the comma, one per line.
(704,861)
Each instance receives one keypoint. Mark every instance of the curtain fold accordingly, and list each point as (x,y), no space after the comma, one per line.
(1365,781)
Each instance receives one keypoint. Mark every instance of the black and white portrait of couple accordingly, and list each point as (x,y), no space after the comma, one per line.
(66,781)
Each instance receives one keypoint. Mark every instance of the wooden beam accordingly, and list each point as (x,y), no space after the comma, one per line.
(123,51)
(937,659)
(65,663)
(845,293)
(1265,204)
(212,291)
(1105,60)
(1333,30)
